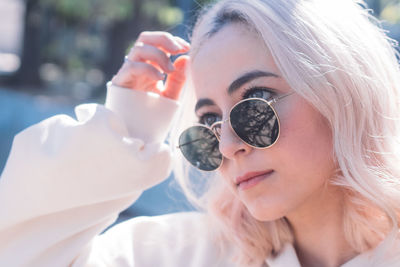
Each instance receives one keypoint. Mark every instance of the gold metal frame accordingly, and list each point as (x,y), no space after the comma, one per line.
(211,128)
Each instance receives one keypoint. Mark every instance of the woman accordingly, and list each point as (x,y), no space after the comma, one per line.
(298,107)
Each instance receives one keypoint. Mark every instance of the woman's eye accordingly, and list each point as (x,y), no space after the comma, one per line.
(209,118)
(258,93)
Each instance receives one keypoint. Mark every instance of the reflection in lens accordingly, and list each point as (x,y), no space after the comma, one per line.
(255,122)
(200,147)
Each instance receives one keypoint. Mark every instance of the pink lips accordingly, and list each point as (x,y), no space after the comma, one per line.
(250,179)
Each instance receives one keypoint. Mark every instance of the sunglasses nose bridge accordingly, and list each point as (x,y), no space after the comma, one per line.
(217,127)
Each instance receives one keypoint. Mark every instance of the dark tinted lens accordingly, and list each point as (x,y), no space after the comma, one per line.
(255,122)
(200,147)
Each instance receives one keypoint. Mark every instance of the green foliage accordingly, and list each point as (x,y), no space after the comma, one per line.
(75,35)
(391,12)
(83,10)
(204,2)
(170,16)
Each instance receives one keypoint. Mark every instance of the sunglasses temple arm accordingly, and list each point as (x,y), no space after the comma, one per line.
(280,97)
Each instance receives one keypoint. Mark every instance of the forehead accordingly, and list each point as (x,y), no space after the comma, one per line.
(228,54)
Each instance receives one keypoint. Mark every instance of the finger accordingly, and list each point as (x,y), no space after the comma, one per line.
(143,52)
(133,71)
(163,40)
(142,69)
(182,42)
(176,79)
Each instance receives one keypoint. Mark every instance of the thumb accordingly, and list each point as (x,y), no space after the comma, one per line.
(176,79)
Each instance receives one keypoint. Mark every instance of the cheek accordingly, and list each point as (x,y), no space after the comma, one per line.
(304,163)
(306,139)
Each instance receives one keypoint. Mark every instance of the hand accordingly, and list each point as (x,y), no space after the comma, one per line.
(149,60)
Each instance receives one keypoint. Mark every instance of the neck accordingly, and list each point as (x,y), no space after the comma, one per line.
(318,230)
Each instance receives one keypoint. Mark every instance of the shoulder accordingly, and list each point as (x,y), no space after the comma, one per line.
(179,239)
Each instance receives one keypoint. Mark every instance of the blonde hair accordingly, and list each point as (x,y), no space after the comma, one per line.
(336,57)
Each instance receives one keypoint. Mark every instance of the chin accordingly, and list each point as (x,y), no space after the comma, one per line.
(265,214)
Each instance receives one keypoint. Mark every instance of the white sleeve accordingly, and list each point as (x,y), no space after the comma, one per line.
(173,240)
(66,180)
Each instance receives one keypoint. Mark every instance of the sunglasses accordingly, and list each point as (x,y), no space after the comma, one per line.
(253,120)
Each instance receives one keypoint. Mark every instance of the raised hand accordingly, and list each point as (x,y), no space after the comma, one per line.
(149,61)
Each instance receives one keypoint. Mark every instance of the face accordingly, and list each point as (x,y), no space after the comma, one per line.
(288,176)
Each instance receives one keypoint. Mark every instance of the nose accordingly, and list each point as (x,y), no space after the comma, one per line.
(230,145)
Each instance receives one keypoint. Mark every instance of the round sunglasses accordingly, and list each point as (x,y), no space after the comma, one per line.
(253,120)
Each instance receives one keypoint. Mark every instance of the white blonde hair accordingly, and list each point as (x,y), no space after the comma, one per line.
(337,58)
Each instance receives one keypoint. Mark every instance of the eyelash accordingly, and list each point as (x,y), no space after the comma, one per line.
(246,94)
(202,118)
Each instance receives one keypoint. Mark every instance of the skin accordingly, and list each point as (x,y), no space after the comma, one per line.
(302,160)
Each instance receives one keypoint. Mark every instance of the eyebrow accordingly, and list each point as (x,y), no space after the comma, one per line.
(203,102)
(235,85)
(247,77)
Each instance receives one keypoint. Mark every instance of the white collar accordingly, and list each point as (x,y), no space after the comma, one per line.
(288,257)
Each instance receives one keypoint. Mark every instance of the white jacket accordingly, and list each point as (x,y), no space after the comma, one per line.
(66,180)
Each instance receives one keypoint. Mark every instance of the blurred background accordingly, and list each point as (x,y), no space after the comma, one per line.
(55,54)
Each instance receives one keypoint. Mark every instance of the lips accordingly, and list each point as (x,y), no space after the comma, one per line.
(251,178)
